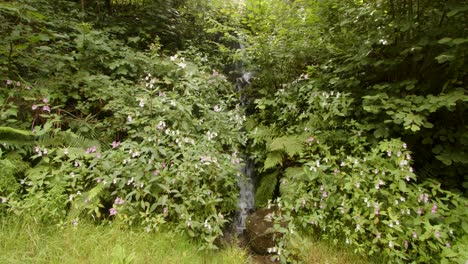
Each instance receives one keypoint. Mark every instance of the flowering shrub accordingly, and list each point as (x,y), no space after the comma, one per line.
(371,201)
(336,183)
(177,165)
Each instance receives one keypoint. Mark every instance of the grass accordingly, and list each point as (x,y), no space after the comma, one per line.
(23,241)
(27,242)
(327,253)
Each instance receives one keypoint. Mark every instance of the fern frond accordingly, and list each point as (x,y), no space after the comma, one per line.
(273,159)
(79,206)
(264,133)
(18,137)
(265,189)
(294,172)
(66,138)
(95,192)
(292,145)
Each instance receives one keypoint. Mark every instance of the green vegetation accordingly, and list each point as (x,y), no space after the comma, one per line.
(27,242)
(126,114)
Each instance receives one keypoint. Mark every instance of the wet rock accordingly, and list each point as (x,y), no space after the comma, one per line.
(259,230)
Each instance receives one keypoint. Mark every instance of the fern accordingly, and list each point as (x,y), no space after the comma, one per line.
(264,133)
(292,145)
(18,137)
(265,189)
(93,196)
(273,159)
(294,172)
(66,138)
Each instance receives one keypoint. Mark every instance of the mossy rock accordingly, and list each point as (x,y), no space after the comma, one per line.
(259,230)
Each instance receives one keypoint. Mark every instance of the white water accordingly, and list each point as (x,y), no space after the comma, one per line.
(245,179)
(246,200)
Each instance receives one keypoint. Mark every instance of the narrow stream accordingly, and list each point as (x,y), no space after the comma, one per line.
(245,179)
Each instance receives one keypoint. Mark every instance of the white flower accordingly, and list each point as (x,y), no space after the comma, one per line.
(216,108)
(129,118)
(161,125)
(181,65)
(173,58)
(211,135)
(142,103)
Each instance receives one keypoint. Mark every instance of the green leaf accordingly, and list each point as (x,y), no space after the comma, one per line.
(445,40)
(273,159)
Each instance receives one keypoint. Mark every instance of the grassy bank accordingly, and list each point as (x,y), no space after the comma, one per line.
(23,241)
(27,242)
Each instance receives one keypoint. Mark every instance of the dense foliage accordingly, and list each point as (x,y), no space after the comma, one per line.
(121,111)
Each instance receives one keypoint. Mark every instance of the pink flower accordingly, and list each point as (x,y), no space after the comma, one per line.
(75,222)
(118,201)
(378,236)
(112,211)
(419,211)
(437,234)
(406,244)
(8,82)
(44,100)
(34,107)
(46,108)
(155,173)
(115,144)
(434,208)
(325,194)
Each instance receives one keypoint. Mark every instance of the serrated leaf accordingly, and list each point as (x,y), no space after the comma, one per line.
(292,145)
(273,159)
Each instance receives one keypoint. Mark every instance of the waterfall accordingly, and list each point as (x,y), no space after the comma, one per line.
(246,202)
(245,179)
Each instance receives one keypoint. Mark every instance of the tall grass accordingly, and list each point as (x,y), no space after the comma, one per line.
(24,241)
(28,242)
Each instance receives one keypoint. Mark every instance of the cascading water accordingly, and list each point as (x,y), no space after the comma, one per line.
(245,179)
(246,201)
